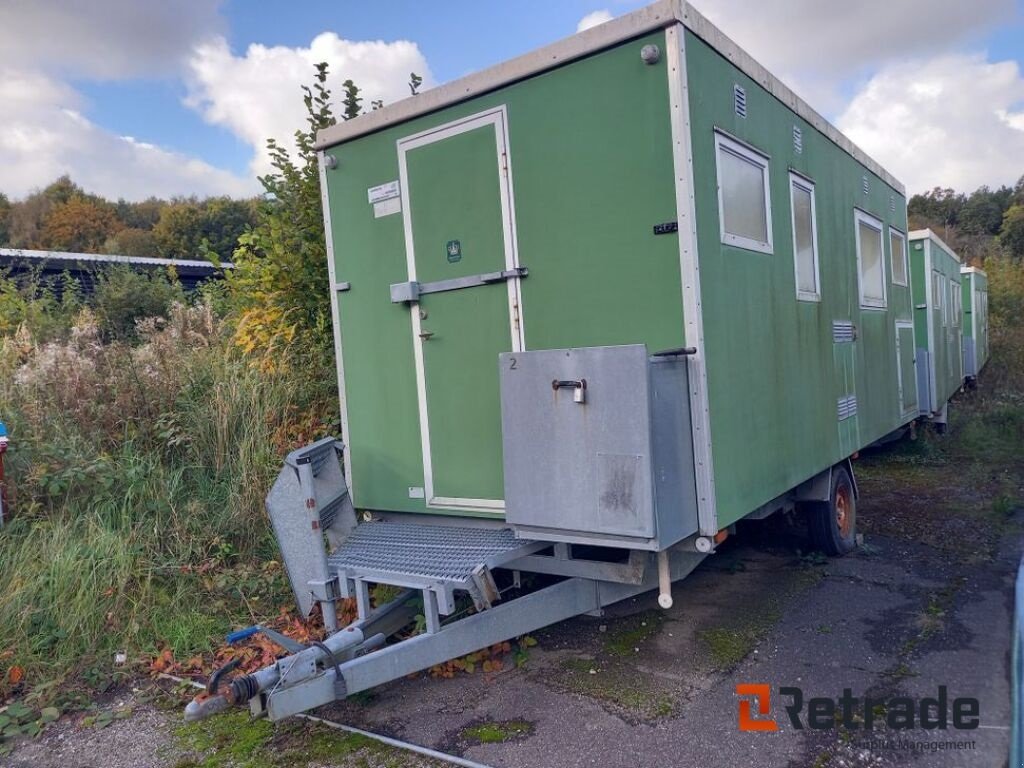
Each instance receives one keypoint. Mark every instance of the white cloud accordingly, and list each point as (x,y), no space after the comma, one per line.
(257,95)
(954,120)
(44,131)
(593,19)
(105,38)
(815,46)
(43,134)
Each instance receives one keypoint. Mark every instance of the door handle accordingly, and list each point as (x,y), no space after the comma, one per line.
(425,335)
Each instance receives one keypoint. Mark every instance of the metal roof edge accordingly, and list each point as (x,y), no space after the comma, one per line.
(975,270)
(718,40)
(658,15)
(111,258)
(577,46)
(924,234)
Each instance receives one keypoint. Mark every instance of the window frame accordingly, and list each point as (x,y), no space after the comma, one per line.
(906,265)
(957,303)
(944,299)
(876,224)
(804,183)
(726,143)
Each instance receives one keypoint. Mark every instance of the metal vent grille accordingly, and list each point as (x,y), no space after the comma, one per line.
(843,331)
(798,140)
(892,203)
(864,183)
(739,96)
(846,407)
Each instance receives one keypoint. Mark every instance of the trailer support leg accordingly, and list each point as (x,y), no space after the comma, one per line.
(430,611)
(529,613)
(564,600)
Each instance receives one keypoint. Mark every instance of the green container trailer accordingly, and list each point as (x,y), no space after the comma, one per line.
(709,207)
(592,307)
(935,273)
(974,301)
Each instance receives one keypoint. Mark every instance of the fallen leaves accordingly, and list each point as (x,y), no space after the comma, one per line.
(254,652)
(488,660)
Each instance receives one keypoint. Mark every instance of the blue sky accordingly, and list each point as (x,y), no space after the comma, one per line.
(139,97)
(465,37)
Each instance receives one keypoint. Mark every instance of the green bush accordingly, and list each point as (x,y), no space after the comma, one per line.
(137,473)
(123,296)
(32,305)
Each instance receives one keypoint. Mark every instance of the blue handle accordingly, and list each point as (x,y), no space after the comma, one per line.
(241,634)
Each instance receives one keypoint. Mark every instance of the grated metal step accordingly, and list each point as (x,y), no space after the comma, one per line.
(438,558)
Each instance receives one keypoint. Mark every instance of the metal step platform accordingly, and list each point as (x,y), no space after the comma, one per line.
(436,559)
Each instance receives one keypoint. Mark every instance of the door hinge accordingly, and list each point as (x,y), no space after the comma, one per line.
(504,164)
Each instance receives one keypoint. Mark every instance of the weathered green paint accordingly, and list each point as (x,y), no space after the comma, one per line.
(592,174)
(590,158)
(772,392)
(908,368)
(974,296)
(455,197)
(935,271)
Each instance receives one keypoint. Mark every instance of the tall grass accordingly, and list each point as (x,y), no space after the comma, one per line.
(136,475)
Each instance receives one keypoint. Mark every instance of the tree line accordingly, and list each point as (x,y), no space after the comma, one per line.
(982,223)
(64,217)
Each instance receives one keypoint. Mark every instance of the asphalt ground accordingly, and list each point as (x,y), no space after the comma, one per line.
(926,601)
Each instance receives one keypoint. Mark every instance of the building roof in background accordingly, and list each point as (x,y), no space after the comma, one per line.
(7,254)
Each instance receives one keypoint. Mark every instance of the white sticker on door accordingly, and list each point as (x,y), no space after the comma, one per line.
(383,192)
(387,207)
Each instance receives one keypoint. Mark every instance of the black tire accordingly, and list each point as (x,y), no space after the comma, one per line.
(833,523)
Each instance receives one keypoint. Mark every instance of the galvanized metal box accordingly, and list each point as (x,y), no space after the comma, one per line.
(597,446)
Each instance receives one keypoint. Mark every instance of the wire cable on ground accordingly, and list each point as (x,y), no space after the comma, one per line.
(425,751)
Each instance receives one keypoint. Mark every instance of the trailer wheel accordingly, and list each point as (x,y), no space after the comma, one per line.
(833,523)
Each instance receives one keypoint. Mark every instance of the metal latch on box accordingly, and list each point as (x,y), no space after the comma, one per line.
(411,290)
(578,387)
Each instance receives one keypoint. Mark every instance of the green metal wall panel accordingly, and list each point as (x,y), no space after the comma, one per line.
(967,287)
(974,286)
(454,190)
(774,372)
(590,154)
(936,329)
(590,158)
(908,369)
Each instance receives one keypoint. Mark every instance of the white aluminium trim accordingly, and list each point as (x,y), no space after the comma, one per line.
(580,45)
(660,15)
(804,183)
(689,267)
(958,324)
(872,302)
(743,151)
(928,234)
(497,119)
(335,321)
(930,302)
(906,262)
(974,292)
(904,411)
